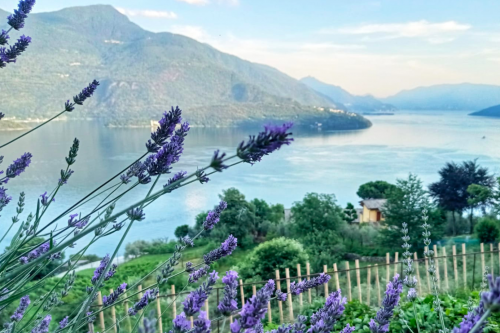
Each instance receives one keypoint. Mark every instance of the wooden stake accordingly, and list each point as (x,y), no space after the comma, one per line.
(191,320)
(300,280)
(427,272)
(158,313)
(348,272)
(254,290)
(368,284)
(419,283)
(125,304)
(308,272)
(436,263)
(464,260)
(396,260)
(377,281)
(482,258)
(325,270)
(113,315)
(445,263)
(387,267)
(455,271)
(492,270)
(269,316)
(101,314)
(278,284)
(241,292)
(337,282)
(91,328)
(174,306)
(289,296)
(206,308)
(358,280)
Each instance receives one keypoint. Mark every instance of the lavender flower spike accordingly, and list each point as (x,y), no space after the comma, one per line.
(18,166)
(181,324)
(43,327)
(280,296)
(4,198)
(254,309)
(202,324)
(108,300)
(380,324)
(213,216)
(100,270)
(226,248)
(87,92)
(198,274)
(149,295)
(11,54)
(471,319)
(165,129)
(303,286)
(271,139)
(228,303)
(195,300)
(16,20)
(325,318)
(348,329)
(23,305)
(63,323)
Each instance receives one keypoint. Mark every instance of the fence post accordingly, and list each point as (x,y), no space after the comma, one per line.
(113,314)
(300,280)
(337,282)
(445,263)
(492,269)
(242,294)
(482,259)
(278,284)
(206,308)
(125,304)
(174,306)
(358,280)
(368,284)
(396,260)
(101,314)
(308,272)
(139,288)
(269,315)
(464,261)
(254,290)
(473,271)
(436,263)
(377,281)
(427,271)
(325,270)
(158,311)
(387,267)
(348,272)
(419,283)
(455,272)
(289,296)
(91,328)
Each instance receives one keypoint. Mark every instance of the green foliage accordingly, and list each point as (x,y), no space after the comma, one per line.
(405,204)
(350,214)
(156,246)
(279,253)
(375,190)
(181,231)
(86,257)
(487,230)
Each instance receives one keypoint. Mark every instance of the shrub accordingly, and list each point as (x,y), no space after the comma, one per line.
(279,253)
(487,230)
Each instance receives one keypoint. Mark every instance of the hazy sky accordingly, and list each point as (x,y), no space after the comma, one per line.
(377,47)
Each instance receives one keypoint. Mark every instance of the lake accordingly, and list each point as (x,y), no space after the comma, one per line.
(318,161)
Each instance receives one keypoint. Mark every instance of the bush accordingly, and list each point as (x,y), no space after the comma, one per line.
(487,230)
(279,253)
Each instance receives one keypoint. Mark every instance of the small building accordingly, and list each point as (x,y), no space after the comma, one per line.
(372,210)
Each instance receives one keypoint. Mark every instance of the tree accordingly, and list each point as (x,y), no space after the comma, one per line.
(405,204)
(450,192)
(181,231)
(479,197)
(487,230)
(350,214)
(375,190)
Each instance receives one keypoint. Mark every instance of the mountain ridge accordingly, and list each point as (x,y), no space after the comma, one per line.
(492,111)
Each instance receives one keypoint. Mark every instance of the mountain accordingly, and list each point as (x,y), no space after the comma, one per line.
(338,95)
(464,96)
(493,111)
(143,73)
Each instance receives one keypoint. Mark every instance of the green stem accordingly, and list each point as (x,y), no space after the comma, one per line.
(8,230)
(480,321)
(415,315)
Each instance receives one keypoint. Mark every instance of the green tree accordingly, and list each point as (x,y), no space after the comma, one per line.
(405,204)
(375,190)
(181,231)
(279,253)
(479,197)
(487,230)
(350,214)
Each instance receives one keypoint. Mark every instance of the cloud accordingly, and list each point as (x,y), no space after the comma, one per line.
(434,33)
(228,2)
(191,31)
(330,46)
(147,13)
(196,2)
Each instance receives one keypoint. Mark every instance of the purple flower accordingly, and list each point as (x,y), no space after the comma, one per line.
(65,176)
(325,318)
(149,295)
(138,169)
(4,198)
(43,327)
(108,300)
(87,92)
(281,329)
(136,214)
(194,301)
(18,166)
(4,36)
(63,323)
(178,176)
(348,329)
(82,223)
(198,274)
(202,177)
(101,268)
(228,303)
(280,296)
(90,317)
(491,298)
(189,267)
(412,294)
(23,305)
(254,309)
(165,129)
(202,324)
(181,324)
(168,154)
(213,216)
(10,54)
(16,20)
(46,200)
(218,161)
(226,248)
(303,286)
(380,324)
(34,254)
(186,240)
(71,221)
(68,106)
(271,139)
(470,320)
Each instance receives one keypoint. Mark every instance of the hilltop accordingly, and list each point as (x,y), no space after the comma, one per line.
(143,73)
(493,111)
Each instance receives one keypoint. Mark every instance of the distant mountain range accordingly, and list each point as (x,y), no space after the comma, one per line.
(464,96)
(493,112)
(143,73)
(354,103)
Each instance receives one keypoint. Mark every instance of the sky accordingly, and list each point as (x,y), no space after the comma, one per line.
(366,47)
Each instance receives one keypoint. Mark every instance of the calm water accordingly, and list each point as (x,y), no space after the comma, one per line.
(324,162)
